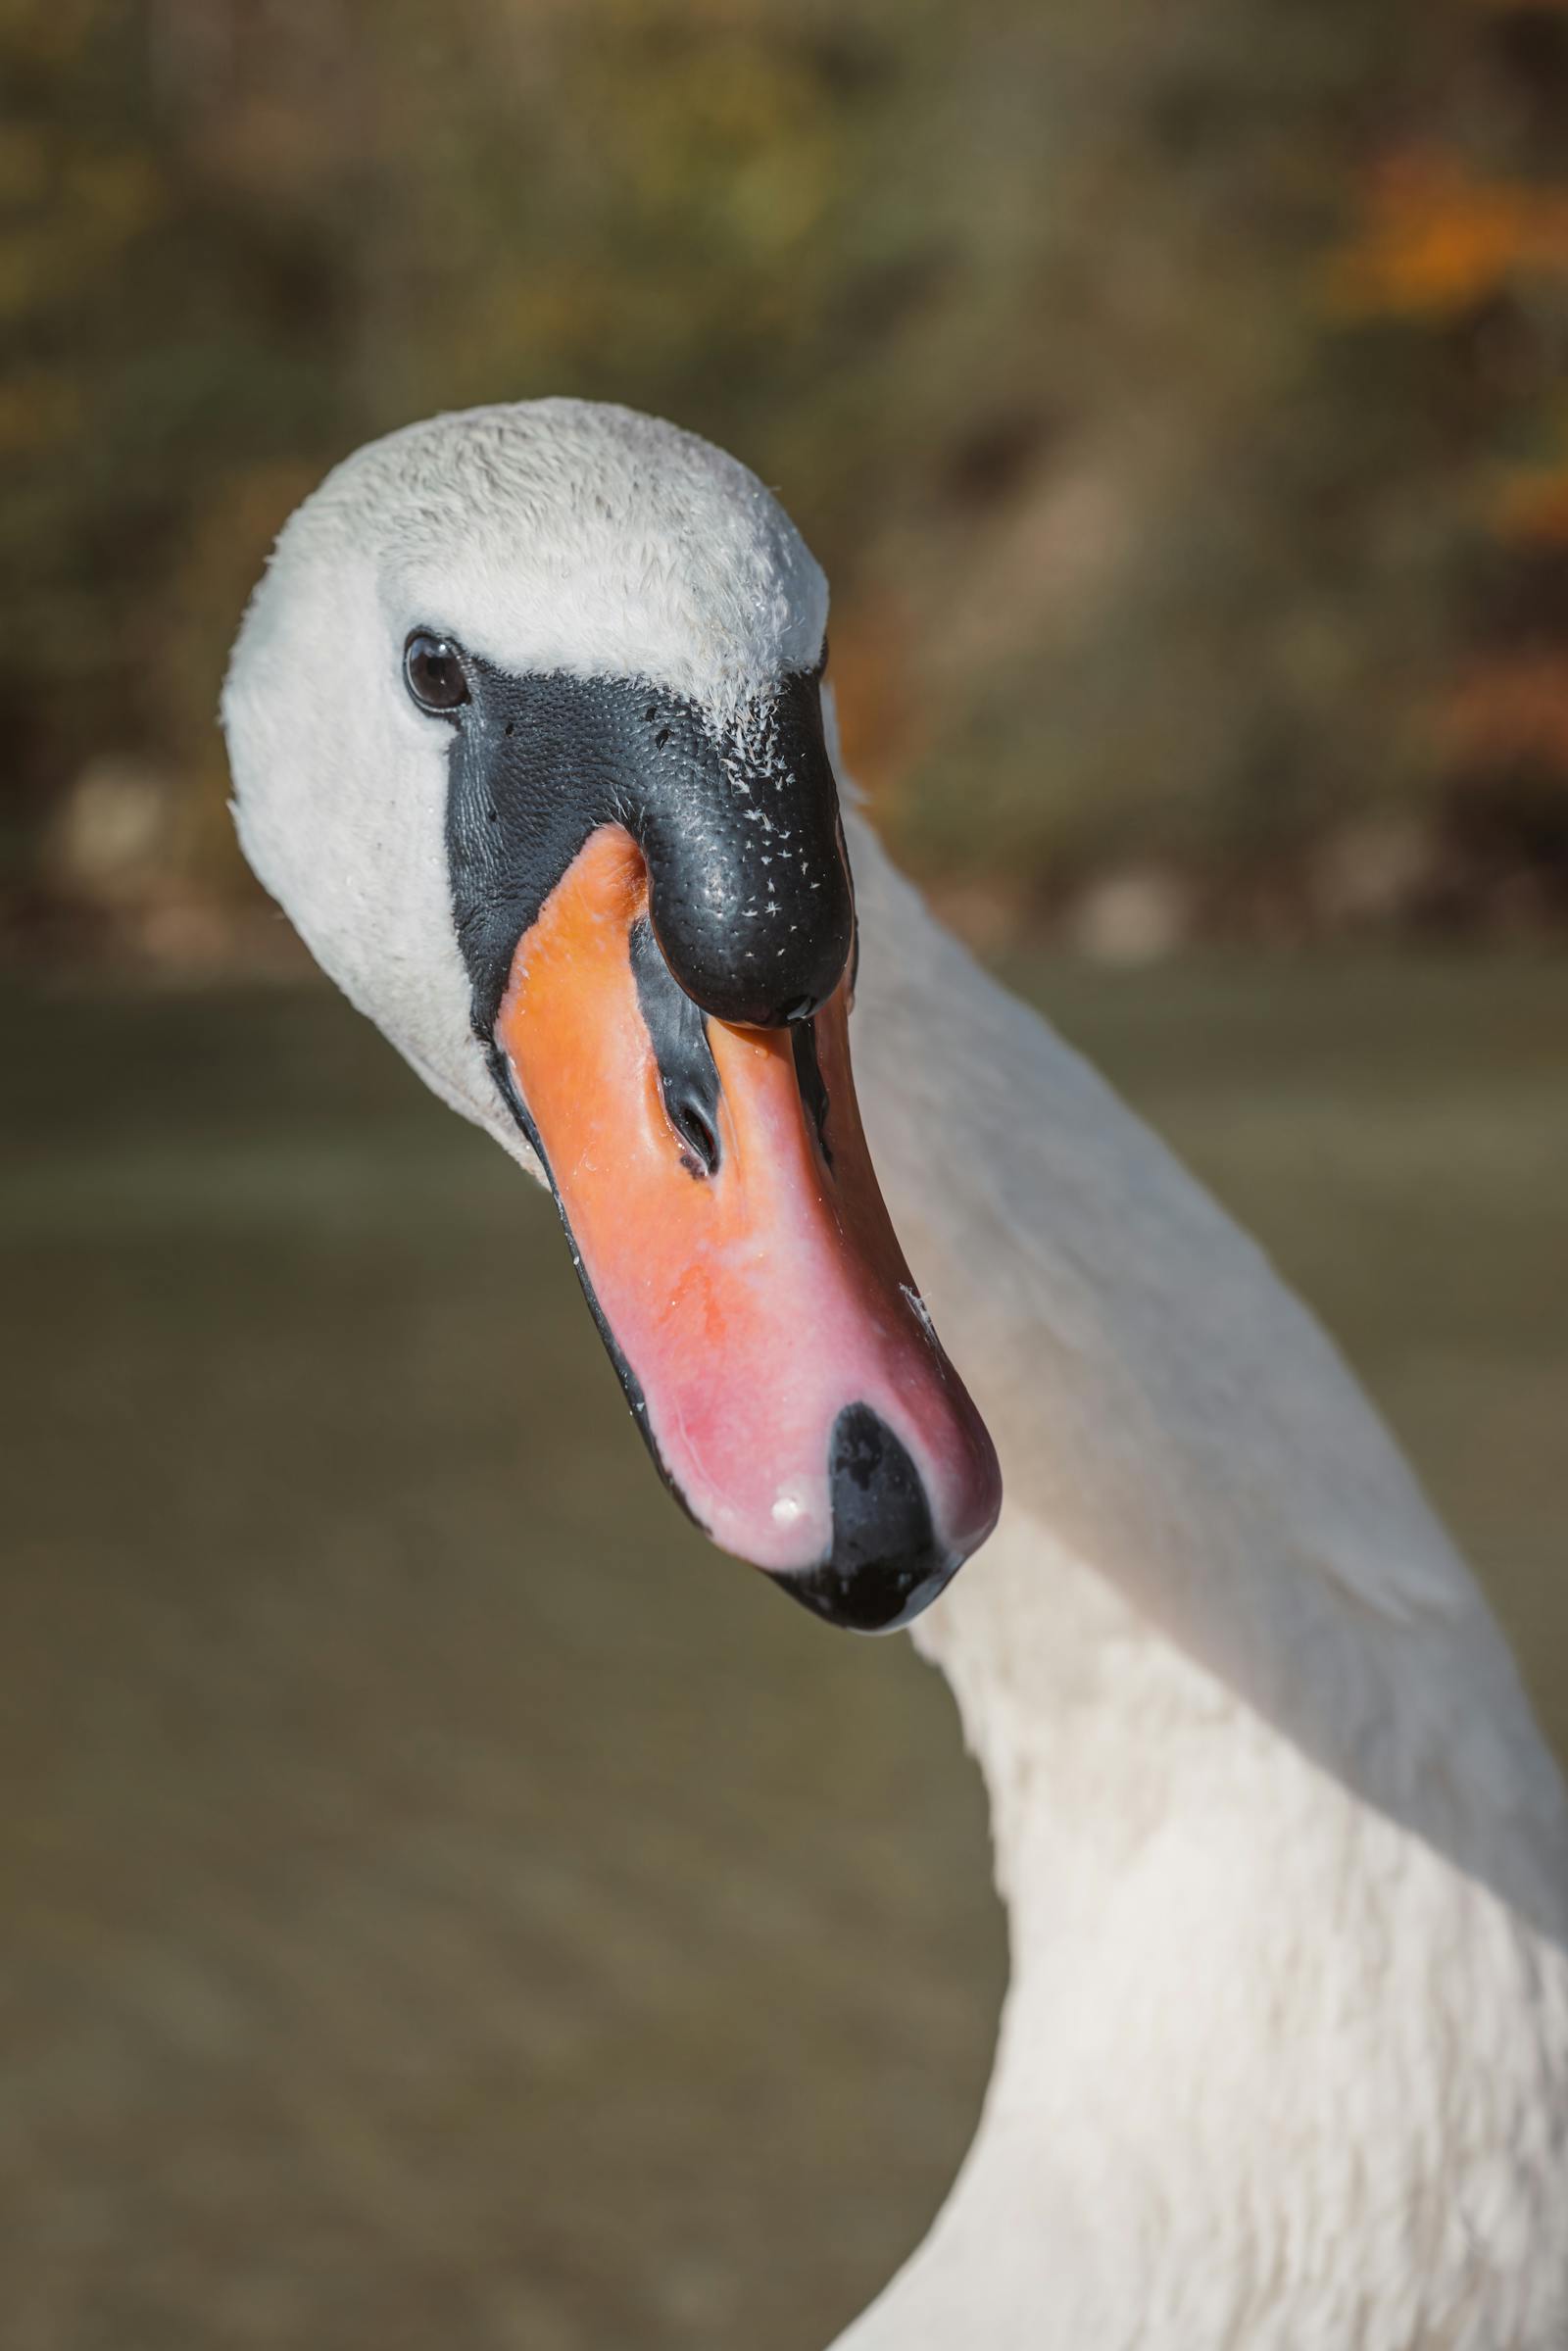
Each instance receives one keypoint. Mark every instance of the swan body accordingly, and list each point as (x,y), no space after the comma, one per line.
(1283,2061)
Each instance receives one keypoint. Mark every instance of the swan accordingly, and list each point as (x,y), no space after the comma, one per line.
(529,736)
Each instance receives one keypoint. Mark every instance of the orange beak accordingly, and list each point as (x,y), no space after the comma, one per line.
(769,1334)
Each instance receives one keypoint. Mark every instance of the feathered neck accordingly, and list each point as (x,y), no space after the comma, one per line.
(1188,1461)
(1255,1749)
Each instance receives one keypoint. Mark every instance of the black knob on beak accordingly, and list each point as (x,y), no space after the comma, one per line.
(748,888)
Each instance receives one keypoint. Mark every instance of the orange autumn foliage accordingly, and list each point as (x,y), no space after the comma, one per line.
(1532,508)
(1512,712)
(1436,239)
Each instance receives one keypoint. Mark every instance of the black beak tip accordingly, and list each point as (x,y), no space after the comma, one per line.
(886,1564)
(881,1597)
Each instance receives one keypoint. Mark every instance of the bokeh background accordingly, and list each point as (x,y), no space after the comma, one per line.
(1176,397)
(442,1901)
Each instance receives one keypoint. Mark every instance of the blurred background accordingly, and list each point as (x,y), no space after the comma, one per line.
(1176,398)
(442,1900)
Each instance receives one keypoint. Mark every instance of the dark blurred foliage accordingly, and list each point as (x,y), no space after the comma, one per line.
(1176,396)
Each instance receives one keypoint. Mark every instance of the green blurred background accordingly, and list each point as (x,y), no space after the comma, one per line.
(1175,395)
(444,1901)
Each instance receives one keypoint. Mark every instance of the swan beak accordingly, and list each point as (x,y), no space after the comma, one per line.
(727,1226)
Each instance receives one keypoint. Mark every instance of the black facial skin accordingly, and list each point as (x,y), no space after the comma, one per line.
(749,892)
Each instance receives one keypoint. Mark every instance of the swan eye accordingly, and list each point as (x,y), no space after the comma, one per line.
(434,673)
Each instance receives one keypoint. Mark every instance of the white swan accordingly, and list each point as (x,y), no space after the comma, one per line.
(1284,2062)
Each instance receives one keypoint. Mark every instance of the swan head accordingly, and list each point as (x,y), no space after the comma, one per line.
(527,729)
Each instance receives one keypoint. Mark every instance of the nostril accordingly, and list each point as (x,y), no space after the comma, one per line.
(695,1129)
(886,1564)
(688,1079)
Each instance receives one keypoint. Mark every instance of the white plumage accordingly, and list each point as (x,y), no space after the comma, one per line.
(1285,2058)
